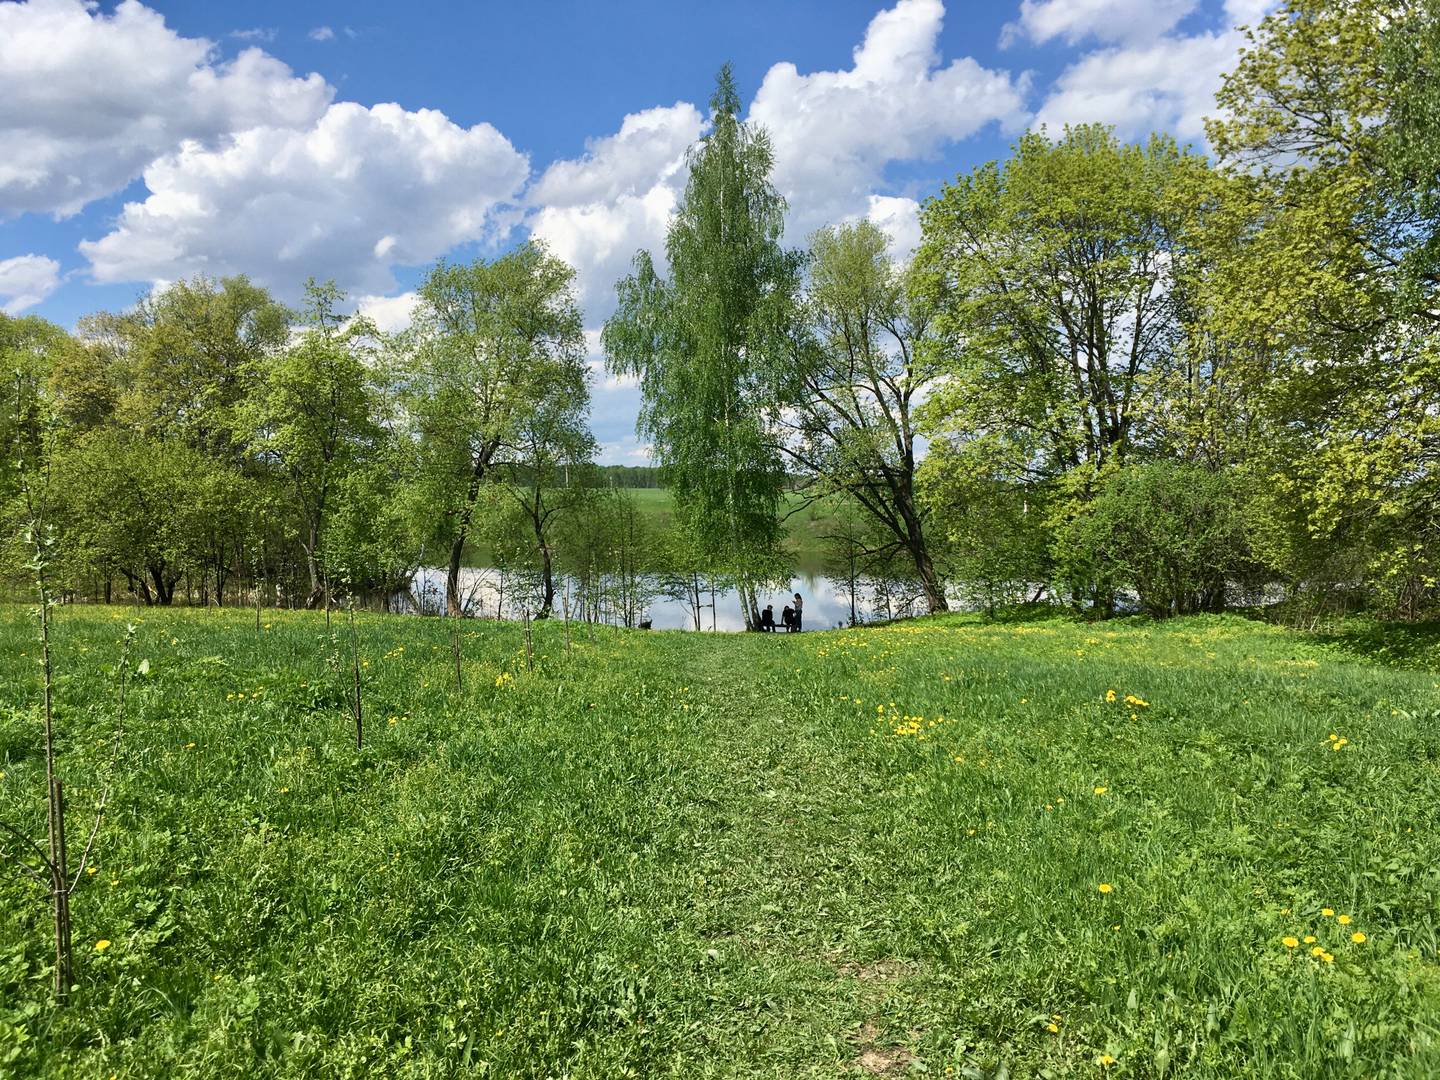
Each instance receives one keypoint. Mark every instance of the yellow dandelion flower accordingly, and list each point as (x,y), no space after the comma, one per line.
(102,944)
(1327,911)
(1317,951)
(1106,1060)
(1106,887)
(1101,790)
(1053,1028)
(1309,939)
(1289,942)
(1110,695)
(1329,958)
(1343,920)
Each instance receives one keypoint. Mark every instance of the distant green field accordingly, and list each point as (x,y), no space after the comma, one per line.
(805,526)
(949,847)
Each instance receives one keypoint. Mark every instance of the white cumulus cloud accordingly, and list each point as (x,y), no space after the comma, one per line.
(388,313)
(1106,20)
(362,190)
(834,132)
(89,99)
(1168,84)
(26,280)
(899,217)
(596,211)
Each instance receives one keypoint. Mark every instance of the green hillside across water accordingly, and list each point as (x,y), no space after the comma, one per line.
(1202,848)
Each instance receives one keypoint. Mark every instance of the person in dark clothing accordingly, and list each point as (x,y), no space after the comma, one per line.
(767,619)
(795,614)
(787,616)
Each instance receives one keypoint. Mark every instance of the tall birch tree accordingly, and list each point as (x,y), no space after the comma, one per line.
(710,344)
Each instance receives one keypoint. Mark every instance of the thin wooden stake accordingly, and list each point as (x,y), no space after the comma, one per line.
(565,607)
(60,893)
(355,669)
(455,649)
(529,643)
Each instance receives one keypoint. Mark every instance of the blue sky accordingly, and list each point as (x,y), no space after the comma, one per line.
(361,141)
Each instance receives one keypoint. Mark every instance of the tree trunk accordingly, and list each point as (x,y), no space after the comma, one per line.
(453,607)
(930,582)
(920,553)
(457,547)
(547,582)
(164,586)
(312,567)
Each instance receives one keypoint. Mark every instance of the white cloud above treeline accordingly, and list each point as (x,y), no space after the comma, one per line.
(360,192)
(88,100)
(1163,83)
(836,132)
(26,280)
(249,167)
(1074,21)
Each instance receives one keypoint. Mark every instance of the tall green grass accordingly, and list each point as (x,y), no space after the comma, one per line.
(863,852)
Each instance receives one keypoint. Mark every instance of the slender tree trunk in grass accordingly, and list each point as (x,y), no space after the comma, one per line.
(356,706)
(59,884)
(529,644)
(455,651)
(547,575)
(60,893)
(565,610)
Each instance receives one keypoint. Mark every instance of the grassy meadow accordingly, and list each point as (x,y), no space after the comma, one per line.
(951,847)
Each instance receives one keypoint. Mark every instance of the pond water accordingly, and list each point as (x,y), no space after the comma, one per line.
(826,601)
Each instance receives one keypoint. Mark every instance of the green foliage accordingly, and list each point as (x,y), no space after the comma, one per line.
(631,863)
(994,529)
(863,364)
(179,365)
(1329,281)
(146,511)
(1057,284)
(494,345)
(311,415)
(1175,535)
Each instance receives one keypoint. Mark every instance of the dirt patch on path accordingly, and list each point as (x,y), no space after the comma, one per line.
(880,1060)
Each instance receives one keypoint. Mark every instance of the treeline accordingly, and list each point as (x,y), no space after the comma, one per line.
(1144,377)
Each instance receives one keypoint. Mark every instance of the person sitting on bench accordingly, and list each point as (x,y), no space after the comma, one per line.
(767,619)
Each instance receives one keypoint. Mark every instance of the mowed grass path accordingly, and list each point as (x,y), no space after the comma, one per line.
(835,854)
